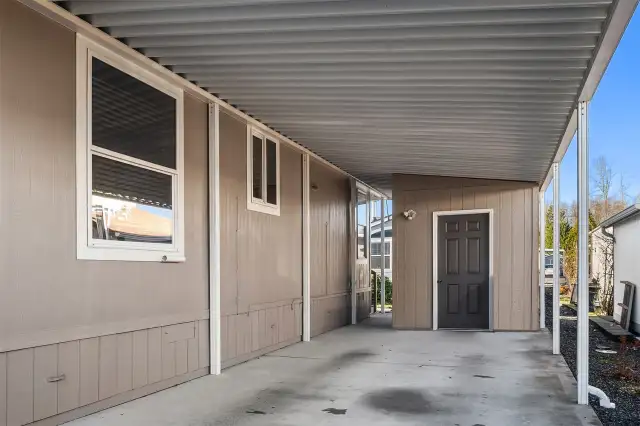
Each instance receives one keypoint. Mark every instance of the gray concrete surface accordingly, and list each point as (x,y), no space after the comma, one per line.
(372,375)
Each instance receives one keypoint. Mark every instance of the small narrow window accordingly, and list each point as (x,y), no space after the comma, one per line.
(263,176)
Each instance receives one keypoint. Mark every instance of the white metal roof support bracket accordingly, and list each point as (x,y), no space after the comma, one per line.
(383,276)
(214,240)
(353,241)
(306,250)
(556,259)
(542,260)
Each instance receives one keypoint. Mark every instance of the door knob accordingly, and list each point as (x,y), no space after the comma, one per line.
(439,281)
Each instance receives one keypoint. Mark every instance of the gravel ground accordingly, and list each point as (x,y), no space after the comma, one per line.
(602,369)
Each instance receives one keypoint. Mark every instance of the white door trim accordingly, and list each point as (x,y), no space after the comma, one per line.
(434,285)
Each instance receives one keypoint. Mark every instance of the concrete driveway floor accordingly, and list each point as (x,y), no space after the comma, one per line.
(372,375)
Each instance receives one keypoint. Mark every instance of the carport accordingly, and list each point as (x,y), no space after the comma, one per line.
(370,374)
(491,90)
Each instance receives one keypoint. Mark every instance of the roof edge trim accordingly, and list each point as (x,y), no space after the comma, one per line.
(619,217)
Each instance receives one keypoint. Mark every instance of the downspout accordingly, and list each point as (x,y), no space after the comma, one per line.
(604,399)
(582,358)
(605,402)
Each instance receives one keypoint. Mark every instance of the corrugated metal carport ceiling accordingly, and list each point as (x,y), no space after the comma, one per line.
(447,87)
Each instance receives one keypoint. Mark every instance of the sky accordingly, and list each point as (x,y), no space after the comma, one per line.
(614,116)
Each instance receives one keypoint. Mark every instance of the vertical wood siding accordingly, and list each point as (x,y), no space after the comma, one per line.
(329,223)
(261,254)
(515,233)
(46,292)
(95,369)
(363,287)
(50,296)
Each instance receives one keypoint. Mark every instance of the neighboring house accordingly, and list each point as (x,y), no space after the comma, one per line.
(376,257)
(548,267)
(601,255)
(625,227)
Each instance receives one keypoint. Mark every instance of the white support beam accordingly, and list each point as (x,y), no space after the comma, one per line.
(306,250)
(215,352)
(583,255)
(556,259)
(370,210)
(382,258)
(542,260)
(353,244)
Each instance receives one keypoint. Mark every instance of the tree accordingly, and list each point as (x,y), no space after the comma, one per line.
(564,224)
(571,251)
(604,203)
(602,183)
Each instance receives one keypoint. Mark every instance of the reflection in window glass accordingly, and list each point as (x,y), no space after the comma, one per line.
(132,118)
(256,164)
(376,261)
(272,176)
(130,203)
(362,241)
(375,249)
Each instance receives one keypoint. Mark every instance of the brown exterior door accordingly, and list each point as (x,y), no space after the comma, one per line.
(463,271)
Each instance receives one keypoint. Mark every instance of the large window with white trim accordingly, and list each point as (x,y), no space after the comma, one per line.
(129,160)
(263,172)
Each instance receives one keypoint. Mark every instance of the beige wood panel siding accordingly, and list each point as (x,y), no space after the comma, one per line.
(20,387)
(248,335)
(330,312)
(329,224)
(261,254)
(69,388)
(515,233)
(45,393)
(363,287)
(47,294)
(93,370)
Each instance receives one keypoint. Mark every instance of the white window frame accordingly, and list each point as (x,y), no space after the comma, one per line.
(87,247)
(259,204)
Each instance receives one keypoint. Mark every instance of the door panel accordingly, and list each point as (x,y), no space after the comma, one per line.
(463,271)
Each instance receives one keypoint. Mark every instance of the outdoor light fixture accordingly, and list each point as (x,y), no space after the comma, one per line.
(409,214)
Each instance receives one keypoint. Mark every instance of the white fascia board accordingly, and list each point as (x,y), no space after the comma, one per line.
(570,131)
(620,15)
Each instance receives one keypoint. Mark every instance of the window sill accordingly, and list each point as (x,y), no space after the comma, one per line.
(263,208)
(128,255)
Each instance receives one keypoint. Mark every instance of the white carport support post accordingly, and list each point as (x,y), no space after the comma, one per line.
(556,259)
(583,255)
(353,246)
(215,357)
(306,251)
(382,258)
(542,260)
(370,214)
